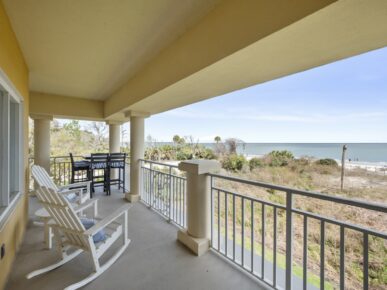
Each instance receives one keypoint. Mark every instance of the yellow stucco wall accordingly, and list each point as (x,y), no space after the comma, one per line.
(12,63)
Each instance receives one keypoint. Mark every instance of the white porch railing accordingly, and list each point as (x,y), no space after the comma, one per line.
(242,224)
(164,190)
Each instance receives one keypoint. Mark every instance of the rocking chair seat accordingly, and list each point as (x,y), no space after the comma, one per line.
(99,236)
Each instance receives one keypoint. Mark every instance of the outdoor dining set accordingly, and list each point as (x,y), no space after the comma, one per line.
(101,169)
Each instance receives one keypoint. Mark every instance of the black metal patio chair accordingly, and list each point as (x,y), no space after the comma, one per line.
(117,163)
(79,170)
(99,171)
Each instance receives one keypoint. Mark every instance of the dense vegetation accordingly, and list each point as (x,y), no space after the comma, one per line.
(71,138)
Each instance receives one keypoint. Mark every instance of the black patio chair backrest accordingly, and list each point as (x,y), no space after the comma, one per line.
(99,160)
(117,160)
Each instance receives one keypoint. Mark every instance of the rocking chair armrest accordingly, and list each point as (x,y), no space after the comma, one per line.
(69,191)
(78,184)
(85,205)
(107,220)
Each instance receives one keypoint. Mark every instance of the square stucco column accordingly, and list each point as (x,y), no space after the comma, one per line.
(42,140)
(198,233)
(137,148)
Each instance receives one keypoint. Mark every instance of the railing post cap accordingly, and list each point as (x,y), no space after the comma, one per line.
(199,166)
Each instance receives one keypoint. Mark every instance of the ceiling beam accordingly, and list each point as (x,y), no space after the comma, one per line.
(66,107)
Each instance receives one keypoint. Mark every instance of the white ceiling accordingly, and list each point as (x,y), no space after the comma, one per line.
(90,48)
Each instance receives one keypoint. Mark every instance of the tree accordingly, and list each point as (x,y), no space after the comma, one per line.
(217,139)
(232,145)
(99,142)
(124,133)
(176,139)
(73,128)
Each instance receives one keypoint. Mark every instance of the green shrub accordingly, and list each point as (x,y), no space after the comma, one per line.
(327,162)
(166,152)
(234,162)
(184,154)
(255,163)
(279,158)
(205,153)
(152,153)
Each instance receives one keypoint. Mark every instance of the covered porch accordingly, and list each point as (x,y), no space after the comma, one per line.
(154,259)
(125,62)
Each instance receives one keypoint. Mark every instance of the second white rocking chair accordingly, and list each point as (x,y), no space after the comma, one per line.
(72,238)
(80,189)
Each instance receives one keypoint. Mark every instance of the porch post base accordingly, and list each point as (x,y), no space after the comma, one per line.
(132,197)
(197,245)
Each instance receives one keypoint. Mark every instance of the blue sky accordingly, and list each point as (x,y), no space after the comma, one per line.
(341,102)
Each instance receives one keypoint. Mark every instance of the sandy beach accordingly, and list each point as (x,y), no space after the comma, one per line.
(378,167)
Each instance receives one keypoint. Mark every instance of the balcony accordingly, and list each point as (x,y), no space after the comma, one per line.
(125,61)
(240,223)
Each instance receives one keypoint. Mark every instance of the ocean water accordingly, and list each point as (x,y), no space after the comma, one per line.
(362,152)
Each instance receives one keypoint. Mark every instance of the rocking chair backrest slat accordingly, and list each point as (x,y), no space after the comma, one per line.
(42,178)
(64,216)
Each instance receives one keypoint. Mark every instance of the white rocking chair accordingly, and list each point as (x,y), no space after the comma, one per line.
(81,189)
(72,238)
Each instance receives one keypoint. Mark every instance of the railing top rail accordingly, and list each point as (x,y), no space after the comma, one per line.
(322,196)
(159,163)
(53,157)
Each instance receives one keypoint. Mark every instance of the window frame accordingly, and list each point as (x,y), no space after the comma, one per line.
(12,185)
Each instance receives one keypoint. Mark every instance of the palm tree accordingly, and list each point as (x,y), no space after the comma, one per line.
(217,139)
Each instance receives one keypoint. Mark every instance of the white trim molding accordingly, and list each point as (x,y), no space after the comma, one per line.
(7,85)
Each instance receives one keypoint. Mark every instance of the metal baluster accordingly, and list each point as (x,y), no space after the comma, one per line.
(342,258)
(225,222)
(155,185)
(305,255)
(60,169)
(54,168)
(322,255)
(263,242)
(148,186)
(175,199)
(243,232)
(184,193)
(170,194)
(275,246)
(142,183)
(180,202)
(289,240)
(233,227)
(151,184)
(162,194)
(157,191)
(365,261)
(68,174)
(212,213)
(218,222)
(178,192)
(252,234)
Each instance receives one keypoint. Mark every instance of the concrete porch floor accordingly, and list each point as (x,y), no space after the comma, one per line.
(153,260)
